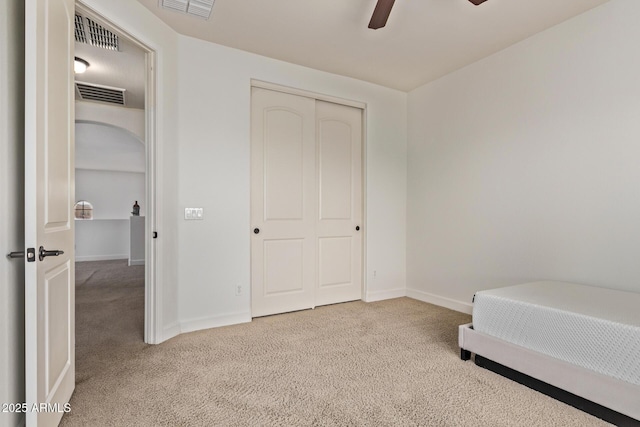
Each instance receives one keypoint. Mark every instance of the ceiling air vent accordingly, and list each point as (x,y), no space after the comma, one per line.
(199,8)
(93,92)
(102,37)
(90,32)
(80,33)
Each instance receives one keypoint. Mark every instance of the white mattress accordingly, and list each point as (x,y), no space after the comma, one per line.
(595,328)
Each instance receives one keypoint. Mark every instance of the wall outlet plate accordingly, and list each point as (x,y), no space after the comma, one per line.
(193,213)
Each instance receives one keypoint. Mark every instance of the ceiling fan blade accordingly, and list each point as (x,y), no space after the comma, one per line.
(381,14)
(477,2)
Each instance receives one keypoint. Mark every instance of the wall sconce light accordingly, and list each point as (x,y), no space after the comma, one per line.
(80,65)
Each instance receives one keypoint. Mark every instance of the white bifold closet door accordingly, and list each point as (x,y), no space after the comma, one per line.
(306,202)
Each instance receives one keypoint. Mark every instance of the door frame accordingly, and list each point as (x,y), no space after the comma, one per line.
(349,103)
(152,299)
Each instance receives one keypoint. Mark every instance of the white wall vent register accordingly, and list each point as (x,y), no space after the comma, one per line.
(90,32)
(100,93)
(199,8)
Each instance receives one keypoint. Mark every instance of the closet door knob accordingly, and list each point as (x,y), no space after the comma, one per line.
(256,230)
(357,228)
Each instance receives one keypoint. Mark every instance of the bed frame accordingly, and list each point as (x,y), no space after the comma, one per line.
(608,398)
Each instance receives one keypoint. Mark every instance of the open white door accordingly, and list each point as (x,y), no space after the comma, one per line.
(49,193)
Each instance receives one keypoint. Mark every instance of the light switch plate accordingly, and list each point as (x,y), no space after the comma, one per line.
(193,213)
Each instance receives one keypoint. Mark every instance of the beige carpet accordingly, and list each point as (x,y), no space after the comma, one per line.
(389,363)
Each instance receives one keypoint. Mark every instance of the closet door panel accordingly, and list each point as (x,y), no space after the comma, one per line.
(283,205)
(339,227)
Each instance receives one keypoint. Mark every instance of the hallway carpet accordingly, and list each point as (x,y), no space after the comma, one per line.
(109,315)
(387,363)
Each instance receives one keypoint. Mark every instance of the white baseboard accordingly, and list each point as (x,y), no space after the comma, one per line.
(214,321)
(452,304)
(136,262)
(387,294)
(100,257)
(170,331)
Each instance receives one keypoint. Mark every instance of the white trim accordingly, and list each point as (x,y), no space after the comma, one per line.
(31,238)
(84,258)
(108,170)
(364,227)
(386,294)
(449,303)
(208,322)
(136,262)
(153,252)
(307,94)
(102,219)
(169,332)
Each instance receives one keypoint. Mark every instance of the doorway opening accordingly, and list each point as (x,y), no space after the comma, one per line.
(115,174)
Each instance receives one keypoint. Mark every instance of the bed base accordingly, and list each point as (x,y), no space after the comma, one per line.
(610,399)
(564,396)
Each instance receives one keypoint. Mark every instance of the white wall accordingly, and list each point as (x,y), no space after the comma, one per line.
(131,119)
(107,147)
(100,240)
(214,129)
(12,202)
(110,174)
(524,165)
(137,21)
(112,194)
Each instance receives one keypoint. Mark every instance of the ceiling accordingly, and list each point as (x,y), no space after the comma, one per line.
(123,69)
(422,41)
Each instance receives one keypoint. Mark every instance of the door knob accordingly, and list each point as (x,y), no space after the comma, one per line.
(256,230)
(45,253)
(357,228)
